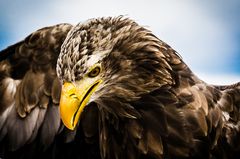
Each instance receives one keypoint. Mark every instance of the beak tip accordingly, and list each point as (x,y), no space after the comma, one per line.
(71,128)
(68,126)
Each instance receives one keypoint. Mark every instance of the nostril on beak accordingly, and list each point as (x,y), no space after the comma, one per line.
(73,95)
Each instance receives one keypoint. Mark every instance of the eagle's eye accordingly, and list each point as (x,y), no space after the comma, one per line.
(94,72)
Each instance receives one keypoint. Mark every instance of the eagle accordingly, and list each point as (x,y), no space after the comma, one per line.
(108,88)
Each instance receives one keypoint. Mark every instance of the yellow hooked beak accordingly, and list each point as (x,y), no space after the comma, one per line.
(74,98)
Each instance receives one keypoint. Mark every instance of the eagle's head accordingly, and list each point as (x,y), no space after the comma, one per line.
(109,59)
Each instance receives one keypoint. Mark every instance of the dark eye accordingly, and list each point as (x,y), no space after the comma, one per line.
(94,72)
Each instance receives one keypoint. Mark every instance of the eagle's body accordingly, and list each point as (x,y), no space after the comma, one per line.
(146,104)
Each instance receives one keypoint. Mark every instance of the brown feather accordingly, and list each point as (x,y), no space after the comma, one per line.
(149,105)
(27,113)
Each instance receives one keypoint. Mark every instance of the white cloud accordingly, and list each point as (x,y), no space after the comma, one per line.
(219,79)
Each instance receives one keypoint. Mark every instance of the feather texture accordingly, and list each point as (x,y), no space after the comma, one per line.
(150,104)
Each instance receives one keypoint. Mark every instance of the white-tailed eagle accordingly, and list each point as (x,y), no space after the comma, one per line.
(122,92)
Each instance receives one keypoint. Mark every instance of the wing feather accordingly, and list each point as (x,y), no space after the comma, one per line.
(30,90)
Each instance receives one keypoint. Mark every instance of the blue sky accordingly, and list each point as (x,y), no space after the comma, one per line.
(205,33)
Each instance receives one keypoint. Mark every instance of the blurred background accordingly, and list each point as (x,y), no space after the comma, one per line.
(205,33)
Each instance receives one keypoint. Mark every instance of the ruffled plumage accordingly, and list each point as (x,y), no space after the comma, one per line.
(150,106)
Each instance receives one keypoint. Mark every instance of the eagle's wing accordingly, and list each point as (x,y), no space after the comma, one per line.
(30,90)
(193,119)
